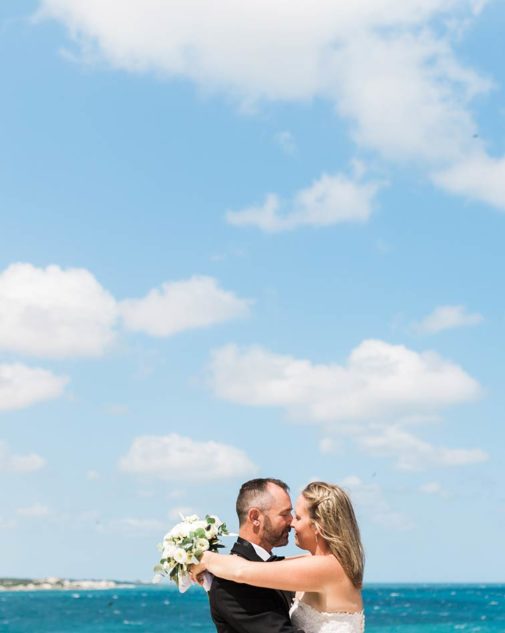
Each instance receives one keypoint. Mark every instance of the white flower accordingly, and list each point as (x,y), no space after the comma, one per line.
(201,544)
(167,567)
(218,523)
(174,533)
(181,556)
(200,525)
(211,531)
(197,535)
(192,518)
(180,531)
(169,550)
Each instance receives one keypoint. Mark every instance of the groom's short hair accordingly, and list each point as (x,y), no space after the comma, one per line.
(251,493)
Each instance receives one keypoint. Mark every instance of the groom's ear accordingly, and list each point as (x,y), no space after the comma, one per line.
(254,515)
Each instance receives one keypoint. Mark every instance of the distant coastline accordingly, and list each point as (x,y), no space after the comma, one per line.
(63,584)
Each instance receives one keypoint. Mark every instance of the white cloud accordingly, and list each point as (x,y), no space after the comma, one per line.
(379,381)
(432,488)
(117,410)
(182,305)
(480,177)
(390,68)
(134,525)
(175,513)
(329,200)
(412,453)
(54,312)
(286,141)
(447,318)
(126,526)
(175,493)
(175,457)
(35,511)
(21,464)
(145,494)
(59,313)
(381,388)
(370,500)
(22,386)
(92,475)
(405,95)
(328,445)
(240,46)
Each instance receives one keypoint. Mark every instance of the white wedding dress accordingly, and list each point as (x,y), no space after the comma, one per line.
(311,620)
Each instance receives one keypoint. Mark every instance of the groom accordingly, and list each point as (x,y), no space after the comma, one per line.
(264,514)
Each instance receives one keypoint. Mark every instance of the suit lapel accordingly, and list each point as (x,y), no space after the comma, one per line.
(244,549)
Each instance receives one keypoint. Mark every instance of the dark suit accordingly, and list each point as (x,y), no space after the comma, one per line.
(240,608)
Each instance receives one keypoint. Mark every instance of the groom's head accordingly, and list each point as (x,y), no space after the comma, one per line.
(264,512)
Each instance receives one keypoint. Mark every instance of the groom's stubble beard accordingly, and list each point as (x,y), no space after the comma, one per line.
(275,537)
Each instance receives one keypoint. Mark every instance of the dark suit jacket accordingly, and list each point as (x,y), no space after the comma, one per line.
(240,608)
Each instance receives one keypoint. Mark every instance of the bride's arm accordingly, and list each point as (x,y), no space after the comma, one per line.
(304,573)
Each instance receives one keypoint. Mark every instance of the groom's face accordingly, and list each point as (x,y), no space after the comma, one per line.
(277,518)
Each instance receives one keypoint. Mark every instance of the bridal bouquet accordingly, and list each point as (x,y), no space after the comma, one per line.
(185,544)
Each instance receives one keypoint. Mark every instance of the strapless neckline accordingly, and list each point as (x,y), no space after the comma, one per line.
(311,620)
(296,601)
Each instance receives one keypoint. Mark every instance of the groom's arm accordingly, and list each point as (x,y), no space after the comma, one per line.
(244,609)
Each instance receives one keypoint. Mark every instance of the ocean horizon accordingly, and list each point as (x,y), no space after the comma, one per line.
(395,608)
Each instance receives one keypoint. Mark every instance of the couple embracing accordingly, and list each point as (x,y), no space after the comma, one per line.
(248,596)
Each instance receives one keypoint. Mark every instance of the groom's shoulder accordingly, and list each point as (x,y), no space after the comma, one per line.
(229,591)
(245,549)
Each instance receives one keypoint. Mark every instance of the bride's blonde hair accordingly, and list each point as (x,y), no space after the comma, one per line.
(332,513)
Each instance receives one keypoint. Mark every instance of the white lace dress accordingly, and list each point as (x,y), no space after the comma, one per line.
(310,620)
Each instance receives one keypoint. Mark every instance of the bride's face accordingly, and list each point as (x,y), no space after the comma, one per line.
(305,533)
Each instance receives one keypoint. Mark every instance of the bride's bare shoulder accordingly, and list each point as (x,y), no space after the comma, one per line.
(325,564)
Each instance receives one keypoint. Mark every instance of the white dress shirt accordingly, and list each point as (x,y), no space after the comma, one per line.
(262,553)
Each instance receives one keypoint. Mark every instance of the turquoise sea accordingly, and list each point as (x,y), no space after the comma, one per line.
(389,608)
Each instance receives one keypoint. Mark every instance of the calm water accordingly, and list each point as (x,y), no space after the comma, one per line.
(395,609)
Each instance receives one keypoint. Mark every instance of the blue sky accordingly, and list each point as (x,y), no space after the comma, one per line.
(241,242)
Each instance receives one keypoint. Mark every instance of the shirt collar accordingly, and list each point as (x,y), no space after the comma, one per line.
(262,553)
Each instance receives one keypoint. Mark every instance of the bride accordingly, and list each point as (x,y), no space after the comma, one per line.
(328,581)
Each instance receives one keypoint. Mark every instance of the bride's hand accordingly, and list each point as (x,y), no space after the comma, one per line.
(196,571)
